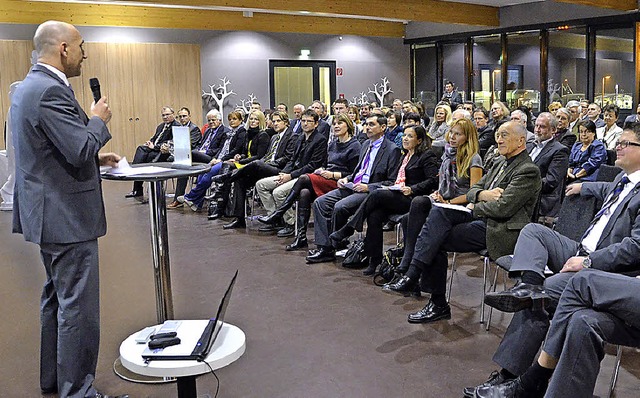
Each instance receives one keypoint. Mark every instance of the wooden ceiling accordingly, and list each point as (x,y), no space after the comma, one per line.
(369,18)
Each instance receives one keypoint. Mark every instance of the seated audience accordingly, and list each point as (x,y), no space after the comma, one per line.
(485,133)
(610,132)
(499,115)
(342,159)
(377,165)
(150,151)
(593,114)
(233,145)
(595,307)
(278,154)
(417,175)
(554,106)
(553,160)
(309,155)
(501,203)
(610,244)
(633,118)
(358,130)
(394,128)
(587,155)
(440,124)
(184,117)
(468,106)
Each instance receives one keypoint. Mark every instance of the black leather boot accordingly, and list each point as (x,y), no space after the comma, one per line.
(221,205)
(276,216)
(301,233)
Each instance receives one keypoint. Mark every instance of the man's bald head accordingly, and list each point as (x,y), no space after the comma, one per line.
(59,44)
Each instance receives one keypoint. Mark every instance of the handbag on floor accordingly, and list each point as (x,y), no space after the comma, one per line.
(389,267)
(355,255)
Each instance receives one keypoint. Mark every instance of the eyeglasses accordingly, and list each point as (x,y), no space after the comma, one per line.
(212,120)
(624,144)
(167,114)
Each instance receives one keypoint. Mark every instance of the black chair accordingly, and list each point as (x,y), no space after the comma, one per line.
(611,157)
(607,172)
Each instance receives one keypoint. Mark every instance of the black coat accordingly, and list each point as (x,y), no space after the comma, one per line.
(256,142)
(308,156)
(421,173)
(286,147)
(553,162)
(237,144)
(385,165)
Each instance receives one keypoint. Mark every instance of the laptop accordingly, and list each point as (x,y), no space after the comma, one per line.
(196,340)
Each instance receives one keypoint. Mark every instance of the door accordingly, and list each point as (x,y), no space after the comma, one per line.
(302,82)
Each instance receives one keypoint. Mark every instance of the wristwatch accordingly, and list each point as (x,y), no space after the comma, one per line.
(586,263)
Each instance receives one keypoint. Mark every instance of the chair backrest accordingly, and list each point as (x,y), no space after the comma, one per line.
(611,157)
(575,215)
(608,173)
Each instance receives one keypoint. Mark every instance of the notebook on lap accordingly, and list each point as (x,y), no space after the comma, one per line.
(196,338)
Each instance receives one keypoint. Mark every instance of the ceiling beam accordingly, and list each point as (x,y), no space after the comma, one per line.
(623,5)
(29,12)
(406,10)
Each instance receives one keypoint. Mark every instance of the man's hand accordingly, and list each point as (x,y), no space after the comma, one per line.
(164,148)
(490,195)
(101,109)
(470,206)
(573,189)
(437,197)
(149,144)
(573,264)
(361,188)
(341,182)
(109,159)
(283,178)
(326,174)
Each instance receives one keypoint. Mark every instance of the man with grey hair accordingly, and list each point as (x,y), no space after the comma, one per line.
(58,205)
(575,110)
(593,114)
(323,127)
(501,203)
(521,118)
(460,114)
(552,158)
(296,124)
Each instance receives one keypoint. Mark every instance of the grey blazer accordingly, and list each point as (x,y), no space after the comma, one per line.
(58,196)
(618,249)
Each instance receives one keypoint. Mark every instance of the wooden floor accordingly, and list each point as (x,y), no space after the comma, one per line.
(312,331)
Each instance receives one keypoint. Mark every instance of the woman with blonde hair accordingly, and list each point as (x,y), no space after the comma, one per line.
(440,124)
(461,168)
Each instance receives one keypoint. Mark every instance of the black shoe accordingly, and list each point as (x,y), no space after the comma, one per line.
(298,243)
(271,219)
(404,286)
(342,234)
(49,390)
(322,255)
(311,252)
(133,194)
(517,298)
(270,228)
(221,178)
(430,313)
(343,244)
(235,224)
(371,269)
(100,395)
(509,389)
(494,378)
(287,231)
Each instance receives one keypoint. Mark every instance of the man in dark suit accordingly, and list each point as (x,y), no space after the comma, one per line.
(594,308)
(296,124)
(611,243)
(309,155)
(58,205)
(278,155)
(323,127)
(553,160)
(502,202)
(378,163)
(212,140)
(150,151)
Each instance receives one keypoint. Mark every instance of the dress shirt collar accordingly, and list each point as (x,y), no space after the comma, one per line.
(57,72)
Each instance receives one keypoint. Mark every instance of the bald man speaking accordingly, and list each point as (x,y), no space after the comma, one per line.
(58,205)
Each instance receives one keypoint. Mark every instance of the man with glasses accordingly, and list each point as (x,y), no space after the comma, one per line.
(611,243)
(150,151)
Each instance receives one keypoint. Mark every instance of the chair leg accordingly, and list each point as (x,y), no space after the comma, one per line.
(616,369)
(485,272)
(453,271)
(398,234)
(491,288)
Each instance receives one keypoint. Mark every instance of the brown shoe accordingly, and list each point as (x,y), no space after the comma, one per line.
(175,205)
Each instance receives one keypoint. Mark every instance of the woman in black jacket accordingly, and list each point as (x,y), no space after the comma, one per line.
(417,175)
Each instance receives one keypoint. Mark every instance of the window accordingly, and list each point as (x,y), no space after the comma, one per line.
(567,65)
(523,74)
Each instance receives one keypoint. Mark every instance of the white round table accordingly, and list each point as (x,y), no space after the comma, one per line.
(228,347)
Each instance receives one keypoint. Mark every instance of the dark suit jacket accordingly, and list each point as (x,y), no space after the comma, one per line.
(618,249)
(421,173)
(385,165)
(323,128)
(258,148)
(286,147)
(237,143)
(509,214)
(553,162)
(308,156)
(567,138)
(486,138)
(218,139)
(164,135)
(195,134)
(58,196)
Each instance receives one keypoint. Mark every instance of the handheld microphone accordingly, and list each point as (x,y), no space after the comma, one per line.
(95,88)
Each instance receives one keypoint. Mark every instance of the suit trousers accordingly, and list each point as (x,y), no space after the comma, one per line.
(70,318)
(528,329)
(200,157)
(245,178)
(596,307)
(445,230)
(273,195)
(538,247)
(144,154)
(331,212)
(418,213)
